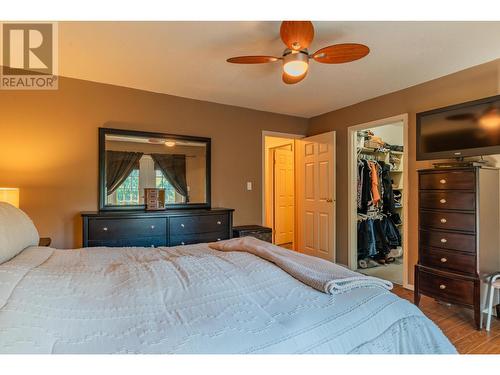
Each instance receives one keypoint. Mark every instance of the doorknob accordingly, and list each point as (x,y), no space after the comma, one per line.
(329,200)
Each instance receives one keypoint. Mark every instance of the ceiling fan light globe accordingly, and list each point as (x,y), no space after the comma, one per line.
(295,68)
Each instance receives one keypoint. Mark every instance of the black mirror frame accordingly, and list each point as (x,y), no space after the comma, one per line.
(141,207)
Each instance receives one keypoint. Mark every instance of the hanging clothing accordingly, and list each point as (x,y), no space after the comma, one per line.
(366,239)
(375,186)
(376,238)
(365,194)
(391,233)
(388,194)
(359,186)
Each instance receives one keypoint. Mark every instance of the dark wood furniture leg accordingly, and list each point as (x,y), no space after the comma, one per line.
(416,293)
(477,305)
(498,311)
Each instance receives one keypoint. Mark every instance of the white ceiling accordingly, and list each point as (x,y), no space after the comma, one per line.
(189,59)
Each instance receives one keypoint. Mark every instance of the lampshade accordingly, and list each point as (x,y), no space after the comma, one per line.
(10,195)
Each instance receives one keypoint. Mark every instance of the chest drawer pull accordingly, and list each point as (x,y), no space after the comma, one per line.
(442,200)
(444,260)
(218,239)
(105,229)
(219,222)
(182,243)
(152,227)
(442,181)
(443,220)
(442,286)
(444,240)
(182,225)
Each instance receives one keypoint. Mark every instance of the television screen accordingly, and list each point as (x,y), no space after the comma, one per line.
(468,129)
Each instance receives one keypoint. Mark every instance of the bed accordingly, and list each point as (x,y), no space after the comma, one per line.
(193,299)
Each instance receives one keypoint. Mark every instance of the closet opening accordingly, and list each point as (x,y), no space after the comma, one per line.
(279,211)
(378,194)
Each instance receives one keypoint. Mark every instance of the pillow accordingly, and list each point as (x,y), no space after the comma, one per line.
(17,232)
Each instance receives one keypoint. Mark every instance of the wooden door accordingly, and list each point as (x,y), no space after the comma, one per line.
(316,195)
(284,196)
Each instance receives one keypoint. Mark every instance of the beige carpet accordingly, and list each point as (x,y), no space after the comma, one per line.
(392,272)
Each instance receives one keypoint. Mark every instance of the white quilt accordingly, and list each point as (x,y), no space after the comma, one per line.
(192,299)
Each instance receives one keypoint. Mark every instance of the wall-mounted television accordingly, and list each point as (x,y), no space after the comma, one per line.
(457,131)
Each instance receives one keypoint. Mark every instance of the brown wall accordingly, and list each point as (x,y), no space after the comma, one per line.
(474,83)
(48,147)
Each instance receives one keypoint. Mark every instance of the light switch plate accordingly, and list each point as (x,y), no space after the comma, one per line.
(249,186)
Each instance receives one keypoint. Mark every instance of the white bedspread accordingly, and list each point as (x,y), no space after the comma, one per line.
(192,299)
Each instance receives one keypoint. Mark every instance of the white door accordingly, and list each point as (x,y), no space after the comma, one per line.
(284,196)
(316,195)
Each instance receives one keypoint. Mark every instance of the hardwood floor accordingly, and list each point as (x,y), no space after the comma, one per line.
(457,324)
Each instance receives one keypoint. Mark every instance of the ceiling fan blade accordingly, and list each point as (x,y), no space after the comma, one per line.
(290,80)
(297,35)
(341,53)
(252,59)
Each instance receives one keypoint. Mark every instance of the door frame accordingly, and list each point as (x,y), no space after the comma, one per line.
(351,189)
(270,133)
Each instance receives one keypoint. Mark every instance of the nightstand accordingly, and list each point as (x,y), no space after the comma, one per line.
(45,241)
(257,231)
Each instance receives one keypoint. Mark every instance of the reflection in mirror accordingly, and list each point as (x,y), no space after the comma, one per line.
(133,163)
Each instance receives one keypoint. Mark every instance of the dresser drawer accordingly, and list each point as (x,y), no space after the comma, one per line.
(198,224)
(453,180)
(131,242)
(448,260)
(106,229)
(448,200)
(459,221)
(446,288)
(188,239)
(448,240)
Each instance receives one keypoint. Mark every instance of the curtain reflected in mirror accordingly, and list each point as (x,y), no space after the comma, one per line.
(134,163)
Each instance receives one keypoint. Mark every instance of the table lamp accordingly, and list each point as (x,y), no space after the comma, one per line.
(10,195)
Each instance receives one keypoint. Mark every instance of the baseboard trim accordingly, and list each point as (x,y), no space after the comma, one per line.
(409,287)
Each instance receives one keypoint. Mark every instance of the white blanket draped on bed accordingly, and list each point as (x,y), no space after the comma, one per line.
(318,273)
(192,299)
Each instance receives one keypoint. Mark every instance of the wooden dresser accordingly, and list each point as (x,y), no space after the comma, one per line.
(160,228)
(458,234)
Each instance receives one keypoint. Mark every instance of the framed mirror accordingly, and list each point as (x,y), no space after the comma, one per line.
(131,161)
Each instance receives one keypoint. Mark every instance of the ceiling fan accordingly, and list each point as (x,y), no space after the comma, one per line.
(297,36)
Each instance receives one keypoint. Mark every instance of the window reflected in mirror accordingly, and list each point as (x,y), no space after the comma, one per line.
(133,163)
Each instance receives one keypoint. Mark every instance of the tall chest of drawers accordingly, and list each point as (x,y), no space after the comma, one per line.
(458,235)
(152,229)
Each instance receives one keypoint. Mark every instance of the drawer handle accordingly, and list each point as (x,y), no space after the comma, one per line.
(182,243)
(442,200)
(182,225)
(105,229)
(152,227)
(442,286)
(219,222)
(443,181)
(218,239)
(444,240)
(444,260)
(443,220)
